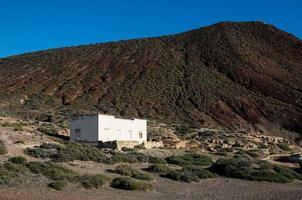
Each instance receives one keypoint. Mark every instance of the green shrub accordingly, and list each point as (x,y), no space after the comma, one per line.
(243,169)
(157,160)
(142,176)
(225,167)
(3,149)
(133,157)
(158,168)
(267,175)
(16,126)
(128,149)
(288,172)
(123,158)
(253,154)
(200,172)
(13,169)
(127,183)
(126,170)
(190,159)
(183,130)
(181,175)
(284,146)
(92,181)
(50,170)
(17,160)
(69,152)
(58,185)
(4,180)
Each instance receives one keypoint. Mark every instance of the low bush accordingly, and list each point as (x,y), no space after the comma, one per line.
(68,152)
(158,168)
(190,159)
(128,183)
(122,158)
(181,175)
(243,169)
(288,173)
(253,154)
(13,168)
(17,160)
(157,160)
(128,149)
(92,181)
(133,157)
(126,170)
(9,170)
(58,185)
(4,180)
(200,172)
(50,170)
(3,149)
(225,167)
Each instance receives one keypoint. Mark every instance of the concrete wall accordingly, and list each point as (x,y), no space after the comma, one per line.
(111,129)
(88,126)
(107,128)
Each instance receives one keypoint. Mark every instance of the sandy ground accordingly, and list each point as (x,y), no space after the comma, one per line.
(218,188)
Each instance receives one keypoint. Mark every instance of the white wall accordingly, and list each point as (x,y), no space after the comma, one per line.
(111,128)
(88,126)
(108,128)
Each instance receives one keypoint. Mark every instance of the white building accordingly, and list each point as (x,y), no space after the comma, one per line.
(104,128)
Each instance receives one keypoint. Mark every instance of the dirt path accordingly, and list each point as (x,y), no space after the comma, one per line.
(219,188)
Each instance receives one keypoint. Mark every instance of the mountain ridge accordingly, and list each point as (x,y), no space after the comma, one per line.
(236,75)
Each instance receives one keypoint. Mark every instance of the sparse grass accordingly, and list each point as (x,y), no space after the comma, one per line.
(58,185)
(158,168)
(3,149)
(190,159)
(92,181)
(181,175)
(127,170)
(128,183)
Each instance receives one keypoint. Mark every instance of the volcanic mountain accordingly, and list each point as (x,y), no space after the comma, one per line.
(233,75)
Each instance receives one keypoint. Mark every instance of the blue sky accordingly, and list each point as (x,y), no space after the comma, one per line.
(31,25)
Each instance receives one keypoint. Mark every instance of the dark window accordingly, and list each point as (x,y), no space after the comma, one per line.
(78,132)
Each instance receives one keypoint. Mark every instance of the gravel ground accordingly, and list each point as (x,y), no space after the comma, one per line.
(218,188)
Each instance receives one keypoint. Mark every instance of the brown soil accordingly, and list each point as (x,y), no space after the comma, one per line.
(218,188)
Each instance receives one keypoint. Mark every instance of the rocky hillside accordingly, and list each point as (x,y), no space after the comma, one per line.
(239,76)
